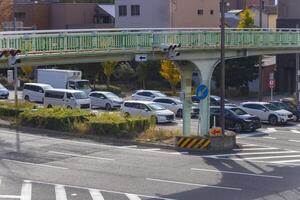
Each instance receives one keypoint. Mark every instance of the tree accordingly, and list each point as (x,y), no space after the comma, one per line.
(124,72)
(108,69)
(171,73)
(246,19)
(27,71)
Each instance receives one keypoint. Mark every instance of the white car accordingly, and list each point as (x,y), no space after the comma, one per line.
(107,100)
(175,105)
(35,91)
(146,95)
(268,112)
(148,109)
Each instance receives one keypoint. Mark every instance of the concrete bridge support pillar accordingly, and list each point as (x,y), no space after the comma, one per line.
(206,68)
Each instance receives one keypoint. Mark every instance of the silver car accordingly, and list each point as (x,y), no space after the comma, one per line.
(107,100)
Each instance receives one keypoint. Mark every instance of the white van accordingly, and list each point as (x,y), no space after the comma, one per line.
(35,91)
(67,98)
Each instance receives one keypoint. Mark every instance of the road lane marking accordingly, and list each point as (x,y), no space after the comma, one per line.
(250,135)
(96,194)
(60,192)
(271,157)
(154,149)
(295,131)
(132,196)
(81,156)
(255,149)
(41,165)
(286,161)
(268,137)
(254,153)
(108,191)
(237,173)
(294,140)
(26,190)
(125,147)
(249,145)
(193,184)
(10,197)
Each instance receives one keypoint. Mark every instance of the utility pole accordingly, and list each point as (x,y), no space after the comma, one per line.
(222,109)
(260,68)
(15,71)
(297,88)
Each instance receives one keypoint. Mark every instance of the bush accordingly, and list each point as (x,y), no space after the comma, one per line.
(8,109)
(111,88)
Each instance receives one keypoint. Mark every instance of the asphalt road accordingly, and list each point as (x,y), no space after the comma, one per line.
(38,167)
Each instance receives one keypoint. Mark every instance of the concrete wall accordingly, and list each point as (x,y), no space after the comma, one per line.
(240,4)
(272,21)
(153,13)
(288,9)
(185,13)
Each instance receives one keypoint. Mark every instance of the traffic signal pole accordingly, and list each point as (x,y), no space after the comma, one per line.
(222,62)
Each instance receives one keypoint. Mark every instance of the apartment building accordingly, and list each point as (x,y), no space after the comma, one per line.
(241,4)
(167,13)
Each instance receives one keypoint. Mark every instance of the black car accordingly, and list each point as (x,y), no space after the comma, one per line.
(289,107)
(235,119)
(214,100)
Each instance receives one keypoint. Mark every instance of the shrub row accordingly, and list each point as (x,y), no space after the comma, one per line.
(110,88)
(8,109)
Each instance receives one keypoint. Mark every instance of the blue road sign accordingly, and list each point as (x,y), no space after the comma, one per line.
(201,92)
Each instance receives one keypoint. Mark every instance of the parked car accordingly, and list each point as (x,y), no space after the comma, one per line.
(4,93)
(235,119)
(146,95)
(175,105)
(288,107)
(107,100)
(214,100)
(67,98)
(35,91)
(149,109)
(268,112)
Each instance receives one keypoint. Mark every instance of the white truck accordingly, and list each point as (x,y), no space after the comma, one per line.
(65,79)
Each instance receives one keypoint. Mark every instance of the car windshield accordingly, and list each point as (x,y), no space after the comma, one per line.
(80,95)
(271,107)
(48,87)
(159,94)
(111,95)
(281,105)
(238,111)
(82,85)
(155,106)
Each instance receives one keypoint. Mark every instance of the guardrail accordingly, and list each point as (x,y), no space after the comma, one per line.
(64,41)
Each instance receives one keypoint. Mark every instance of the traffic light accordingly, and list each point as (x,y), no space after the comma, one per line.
(4,53)
(171,50)
(13,59)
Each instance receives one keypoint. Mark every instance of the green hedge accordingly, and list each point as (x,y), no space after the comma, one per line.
(7,109)
(110,88)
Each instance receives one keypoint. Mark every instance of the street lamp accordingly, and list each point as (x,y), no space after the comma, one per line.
(222,62)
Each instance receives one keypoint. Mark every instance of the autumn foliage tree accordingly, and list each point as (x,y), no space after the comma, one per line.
(171,73)
(246,19)
(108,69)
(6,12)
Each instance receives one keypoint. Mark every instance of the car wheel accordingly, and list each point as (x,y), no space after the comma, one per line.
(107,106)
(49,106)
(27,98)
(238,127)
(179,113)
(273,120)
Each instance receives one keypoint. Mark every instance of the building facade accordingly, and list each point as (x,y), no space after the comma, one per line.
(241,4)
(167,13)
(288,17)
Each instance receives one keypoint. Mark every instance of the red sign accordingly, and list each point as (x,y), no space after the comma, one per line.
(215,131)
(271,83)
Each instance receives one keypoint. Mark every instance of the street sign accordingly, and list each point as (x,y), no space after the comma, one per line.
(141,57)
(201,92)
(272,84)
(216,131)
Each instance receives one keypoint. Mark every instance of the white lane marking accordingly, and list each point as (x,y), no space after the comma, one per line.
(10,197)
(255,153)
(255,149)
(132,196)
(270,130)
(250,135)
(108,191)
(154,149)
(237,173)
(294,140)
(285,161)
(40,165)
(60,192)
(125,147)
(250,145)
(272,157)
(193,184)
(295,131)
(268,137)
(81,156)
(26,190)
(96,194)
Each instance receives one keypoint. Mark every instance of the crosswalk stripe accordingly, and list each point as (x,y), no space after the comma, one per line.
(60,192)
(26,190)
(294,140)
(96,194)
(254,153)
(269,130)
(273,157)
(255,149)
(286,161)
(295,131)
(132,196)
(10,197)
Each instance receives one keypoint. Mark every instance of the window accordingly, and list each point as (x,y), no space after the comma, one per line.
(135,10)
(211,12)
(20,15)
(55,94)
(200,12)
(69,95)
(122,10)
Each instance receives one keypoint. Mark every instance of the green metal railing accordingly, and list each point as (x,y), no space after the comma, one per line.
(64,41)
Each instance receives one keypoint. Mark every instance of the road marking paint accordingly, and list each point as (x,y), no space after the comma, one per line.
(132,196)
(250,135)
(255,153)
(249,145)
(237,173)
(108,191)
(96,194)
(255,149)
(60,192)
(295,131)
(81,156)
(294,140)
(26,190)
(268,137)
(125,147)
(10,197)
(271,157)
(193,184)
(286,161)
(41,165)
(154,149)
